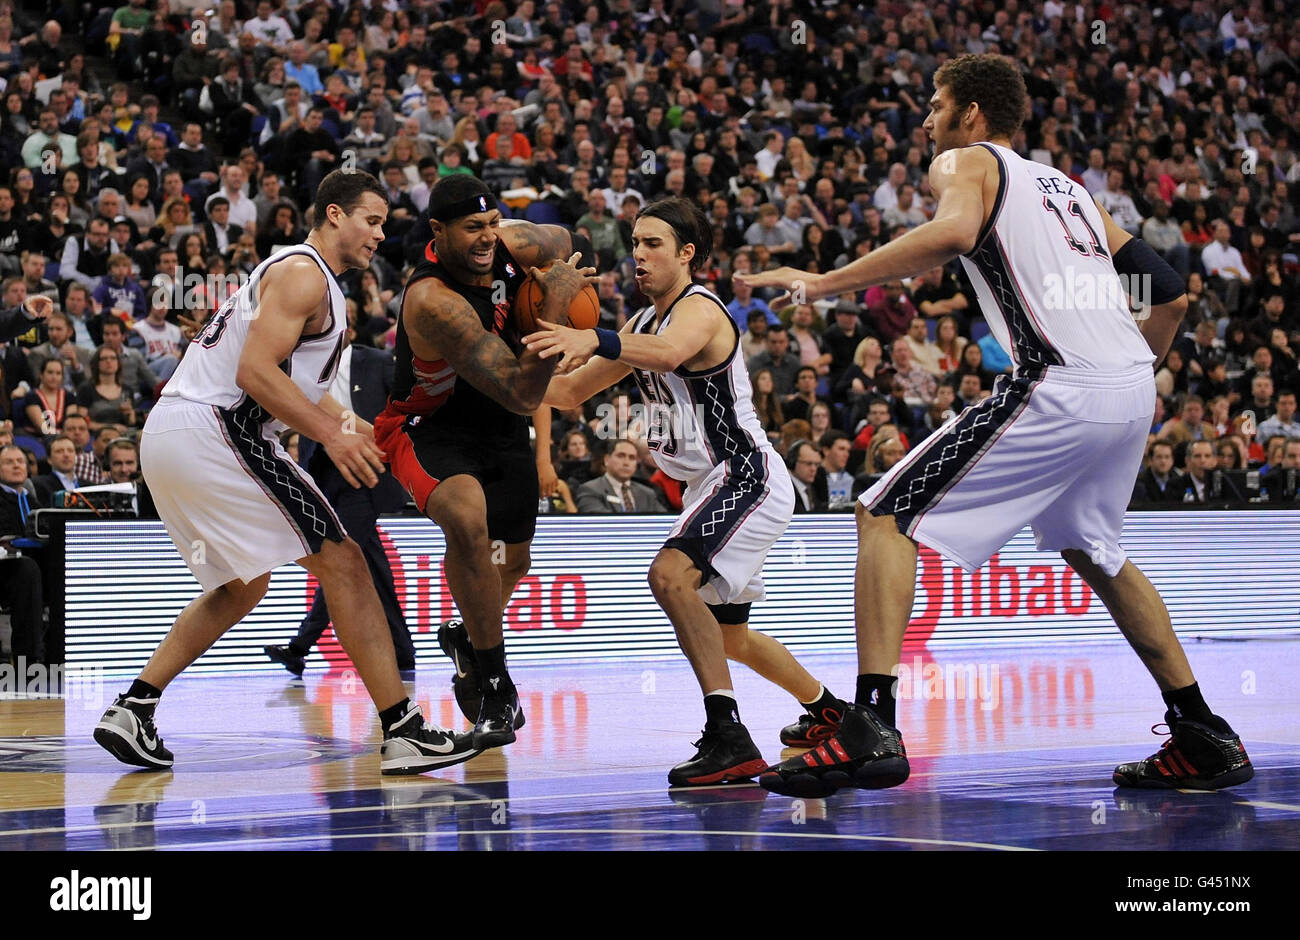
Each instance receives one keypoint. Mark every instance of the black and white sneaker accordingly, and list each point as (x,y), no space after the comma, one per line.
(413,747)
(131,737)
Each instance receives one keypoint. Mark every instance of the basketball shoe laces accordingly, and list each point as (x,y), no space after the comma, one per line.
(146,722)
(1170,759)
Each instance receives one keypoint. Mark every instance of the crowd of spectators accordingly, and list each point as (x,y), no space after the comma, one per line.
(156,152)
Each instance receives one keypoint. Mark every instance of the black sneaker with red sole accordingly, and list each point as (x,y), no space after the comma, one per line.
(1195,757)
(725,754)
(810,730)
(865,753)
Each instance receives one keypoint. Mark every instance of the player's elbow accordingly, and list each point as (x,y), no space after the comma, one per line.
(960,238)
(248,376)
(520,402)
(1175,309)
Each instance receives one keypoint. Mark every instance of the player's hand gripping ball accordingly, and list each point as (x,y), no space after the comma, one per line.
(584,309)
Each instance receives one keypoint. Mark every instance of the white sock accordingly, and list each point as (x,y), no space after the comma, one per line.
(821,690)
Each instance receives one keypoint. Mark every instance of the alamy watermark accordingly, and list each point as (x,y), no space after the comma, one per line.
(654,421)
(1083,291)
(935,682)
(195,290)
(21,679)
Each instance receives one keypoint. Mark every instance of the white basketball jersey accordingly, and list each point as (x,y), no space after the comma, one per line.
(207,372)
(697,420)
(1044,276)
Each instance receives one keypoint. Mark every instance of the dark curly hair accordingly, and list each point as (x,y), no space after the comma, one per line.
(991,81)
(689,225)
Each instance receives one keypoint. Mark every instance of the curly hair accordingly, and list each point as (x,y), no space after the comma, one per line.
(991,81)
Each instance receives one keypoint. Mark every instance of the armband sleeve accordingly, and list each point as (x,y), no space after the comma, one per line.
(1137,259)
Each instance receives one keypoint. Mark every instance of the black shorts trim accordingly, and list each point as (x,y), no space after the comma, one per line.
(712,524)
(730,614)
(284,483)
(941,462)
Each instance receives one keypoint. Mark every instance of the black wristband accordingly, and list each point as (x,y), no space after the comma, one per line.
(608,344)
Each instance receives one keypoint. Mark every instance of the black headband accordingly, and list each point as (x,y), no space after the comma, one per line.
(479,202)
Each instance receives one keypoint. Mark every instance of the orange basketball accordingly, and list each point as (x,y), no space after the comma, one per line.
(584,311)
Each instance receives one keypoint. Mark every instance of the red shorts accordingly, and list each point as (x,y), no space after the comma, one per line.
(391,436)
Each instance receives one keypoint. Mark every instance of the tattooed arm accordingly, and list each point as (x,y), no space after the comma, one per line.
(535,245)
(441,324)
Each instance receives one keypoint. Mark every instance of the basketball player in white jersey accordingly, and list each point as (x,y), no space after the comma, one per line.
(684,354)
(1056,446)
(237,506)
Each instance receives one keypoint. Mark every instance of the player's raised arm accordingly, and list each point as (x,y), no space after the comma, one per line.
(959,177)
(291,293)
(534,245)
(1162,289)
(693,325)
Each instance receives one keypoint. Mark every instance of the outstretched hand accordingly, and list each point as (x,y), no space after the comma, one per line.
(801,287)
(574,347)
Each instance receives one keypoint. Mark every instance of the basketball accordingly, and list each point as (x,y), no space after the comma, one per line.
(584,311)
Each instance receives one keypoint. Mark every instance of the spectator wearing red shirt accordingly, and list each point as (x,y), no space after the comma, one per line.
(890,309)
(508,126)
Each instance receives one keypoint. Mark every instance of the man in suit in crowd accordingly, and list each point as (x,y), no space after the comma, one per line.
(1200,463)
(20,574)
(63,470)
(1280,482)
(808,477)
(362,384)
(615,490)
(1159,482)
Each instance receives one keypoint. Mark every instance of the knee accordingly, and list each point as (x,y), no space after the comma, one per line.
(343,561)
(516,567)
(663,578)
(467,539)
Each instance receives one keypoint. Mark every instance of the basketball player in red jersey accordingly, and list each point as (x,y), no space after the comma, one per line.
(455,429)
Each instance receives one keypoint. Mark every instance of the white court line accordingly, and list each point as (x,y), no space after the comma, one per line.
(1262,805)
(328,811)
(945,843)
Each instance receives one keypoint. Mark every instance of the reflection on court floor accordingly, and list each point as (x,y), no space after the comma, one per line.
(1009,752)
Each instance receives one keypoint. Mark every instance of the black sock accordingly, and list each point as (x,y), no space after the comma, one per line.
(298,649)
(720,709)
(1187,704)
(393,714)
(818,708)
(877,693)
(492,666)
(143,690)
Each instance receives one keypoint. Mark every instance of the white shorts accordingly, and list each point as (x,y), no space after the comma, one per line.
(1058,453)
(234,503)
(730,518)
